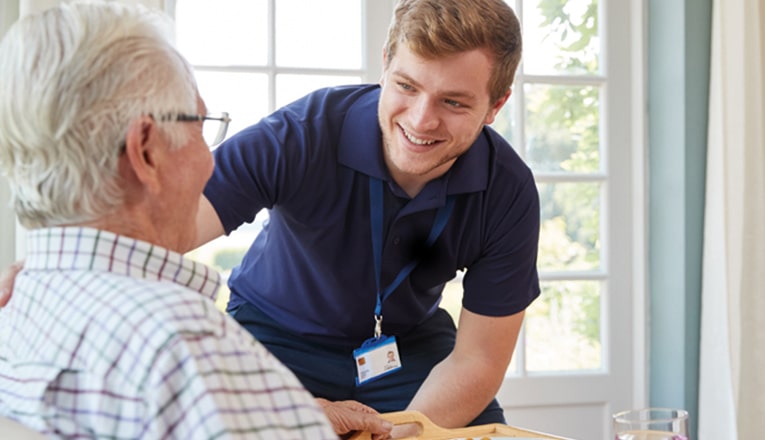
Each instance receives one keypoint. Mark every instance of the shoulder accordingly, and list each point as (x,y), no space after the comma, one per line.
(168,307)
(337,97)
(325,110)
(136,317)
(506,162)
(317,115)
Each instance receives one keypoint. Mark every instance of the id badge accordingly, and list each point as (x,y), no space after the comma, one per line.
(377,357)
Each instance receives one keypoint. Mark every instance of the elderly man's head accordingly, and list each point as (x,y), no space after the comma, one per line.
(90,100)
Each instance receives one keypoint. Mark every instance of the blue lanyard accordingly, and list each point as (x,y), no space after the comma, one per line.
(376,216)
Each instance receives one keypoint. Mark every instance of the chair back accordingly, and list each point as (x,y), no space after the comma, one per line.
(12,429)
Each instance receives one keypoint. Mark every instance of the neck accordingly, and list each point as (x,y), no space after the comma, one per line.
(411,187)
(128,223)
(412,184)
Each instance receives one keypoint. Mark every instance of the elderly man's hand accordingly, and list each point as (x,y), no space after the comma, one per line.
(7,277)
(348,416)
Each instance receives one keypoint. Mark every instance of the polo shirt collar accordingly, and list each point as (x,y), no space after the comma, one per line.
(470,172)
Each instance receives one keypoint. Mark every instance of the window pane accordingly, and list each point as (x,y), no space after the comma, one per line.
(324,34)
(504,123)
(292,87)
(223,32)
(562,128)
(243,95)
(563,328)
(569,238)
(564,35)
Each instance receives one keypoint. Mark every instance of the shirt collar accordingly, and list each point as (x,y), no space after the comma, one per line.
(79,248)
(470,173)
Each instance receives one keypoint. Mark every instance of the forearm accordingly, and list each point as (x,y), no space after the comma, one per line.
(459,388)
(457,391)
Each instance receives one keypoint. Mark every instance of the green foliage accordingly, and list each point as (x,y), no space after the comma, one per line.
(564,136)
(575,33)
(226,259)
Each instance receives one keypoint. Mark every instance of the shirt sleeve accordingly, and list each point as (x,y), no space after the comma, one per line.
(227,385)
(504,280)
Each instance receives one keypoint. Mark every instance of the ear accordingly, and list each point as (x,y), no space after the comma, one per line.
(143,145)
(496,107)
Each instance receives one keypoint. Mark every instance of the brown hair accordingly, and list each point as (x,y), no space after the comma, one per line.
(436,28)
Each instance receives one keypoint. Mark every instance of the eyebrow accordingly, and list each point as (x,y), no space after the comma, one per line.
(447,93)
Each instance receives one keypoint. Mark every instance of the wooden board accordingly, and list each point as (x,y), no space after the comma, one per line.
(431,431)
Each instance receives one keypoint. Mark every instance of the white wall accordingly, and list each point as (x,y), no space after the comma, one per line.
(9,11)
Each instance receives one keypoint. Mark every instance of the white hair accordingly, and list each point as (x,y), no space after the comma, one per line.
(73,78)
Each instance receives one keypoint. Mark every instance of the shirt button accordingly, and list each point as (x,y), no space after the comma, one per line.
(396,241)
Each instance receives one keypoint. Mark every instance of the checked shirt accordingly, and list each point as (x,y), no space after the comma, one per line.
(111,337)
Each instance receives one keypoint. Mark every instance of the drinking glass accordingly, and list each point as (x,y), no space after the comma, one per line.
(651,424)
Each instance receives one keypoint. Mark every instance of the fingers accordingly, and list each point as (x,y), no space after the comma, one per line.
(356,406)
(380,428)
(7,278)
(347,416)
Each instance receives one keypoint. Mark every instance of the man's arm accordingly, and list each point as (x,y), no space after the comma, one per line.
(462,385)
(209,226)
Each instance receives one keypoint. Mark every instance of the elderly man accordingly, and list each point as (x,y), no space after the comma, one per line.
(111,332)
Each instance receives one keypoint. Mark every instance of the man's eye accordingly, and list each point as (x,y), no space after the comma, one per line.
(405,86)
(453,103)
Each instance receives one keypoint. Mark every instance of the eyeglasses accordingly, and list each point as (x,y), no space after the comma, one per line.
(214,126)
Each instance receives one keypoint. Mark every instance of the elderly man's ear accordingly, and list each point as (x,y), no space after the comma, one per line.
(7,278)
(144,145)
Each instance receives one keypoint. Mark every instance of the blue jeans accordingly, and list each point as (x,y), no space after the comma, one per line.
(329,370)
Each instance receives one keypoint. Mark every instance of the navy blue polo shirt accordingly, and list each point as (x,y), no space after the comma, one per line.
(311,268)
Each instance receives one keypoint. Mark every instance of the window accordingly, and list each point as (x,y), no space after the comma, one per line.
(560,93)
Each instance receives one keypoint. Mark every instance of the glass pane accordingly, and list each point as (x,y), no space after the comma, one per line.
(561,37)
(292,87)
(562,128)
(323,34)
(563,328)
(243,95)
(223,32)
(569,237)
(504,123)
(452,298)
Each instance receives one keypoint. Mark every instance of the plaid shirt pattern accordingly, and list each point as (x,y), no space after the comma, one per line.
(111,337)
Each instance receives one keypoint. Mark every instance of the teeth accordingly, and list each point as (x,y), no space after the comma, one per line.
(414,140)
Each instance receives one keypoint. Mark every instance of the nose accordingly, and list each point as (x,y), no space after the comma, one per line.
(423,114)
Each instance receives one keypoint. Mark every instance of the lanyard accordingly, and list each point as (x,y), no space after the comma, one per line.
(376,216)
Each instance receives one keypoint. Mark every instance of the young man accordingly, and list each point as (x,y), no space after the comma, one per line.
(111,332)
(378,195)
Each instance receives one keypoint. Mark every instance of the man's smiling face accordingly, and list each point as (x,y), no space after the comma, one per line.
(431,111)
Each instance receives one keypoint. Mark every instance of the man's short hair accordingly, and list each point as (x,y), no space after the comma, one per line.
(437,28)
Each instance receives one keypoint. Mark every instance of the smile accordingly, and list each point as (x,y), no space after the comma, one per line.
(416,140)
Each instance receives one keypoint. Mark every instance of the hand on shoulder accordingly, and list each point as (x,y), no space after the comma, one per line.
(7,278)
